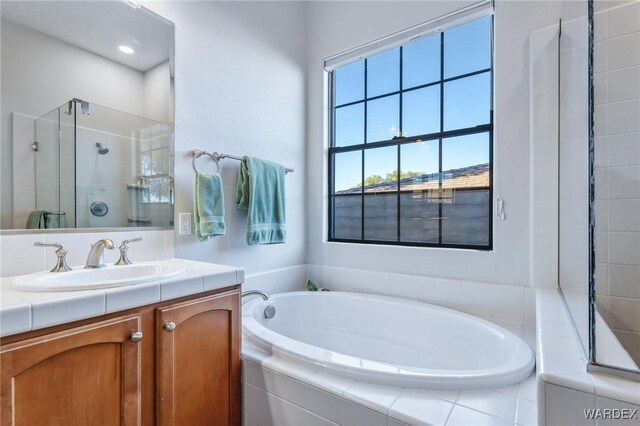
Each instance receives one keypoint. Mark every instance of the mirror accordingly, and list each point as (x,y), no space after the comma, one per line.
(87,115)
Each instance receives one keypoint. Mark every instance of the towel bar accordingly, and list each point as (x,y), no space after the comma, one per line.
(196,153)
(215,156)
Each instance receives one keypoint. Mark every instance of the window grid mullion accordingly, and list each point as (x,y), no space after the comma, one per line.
(366,103)
(398,173)
(440,194)
(411,89)
(420,138)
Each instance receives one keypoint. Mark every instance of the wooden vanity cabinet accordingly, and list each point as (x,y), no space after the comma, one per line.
(73,377)
(101,372)
(198,362)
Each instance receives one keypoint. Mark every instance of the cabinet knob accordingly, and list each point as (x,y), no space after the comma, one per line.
(136,336)
(170,326)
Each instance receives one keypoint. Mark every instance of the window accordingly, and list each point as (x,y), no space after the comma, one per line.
(412,130)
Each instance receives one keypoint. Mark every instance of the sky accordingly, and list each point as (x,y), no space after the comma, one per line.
(467,48)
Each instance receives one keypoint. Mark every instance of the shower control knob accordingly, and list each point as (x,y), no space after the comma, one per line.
(170,326)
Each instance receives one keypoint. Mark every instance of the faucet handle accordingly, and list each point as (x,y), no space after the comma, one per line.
(124,246)
(125,243)
(61,263)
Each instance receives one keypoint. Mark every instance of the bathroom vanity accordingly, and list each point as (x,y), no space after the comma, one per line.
(172,362)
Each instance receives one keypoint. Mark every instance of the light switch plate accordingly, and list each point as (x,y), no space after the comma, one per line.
(185,223)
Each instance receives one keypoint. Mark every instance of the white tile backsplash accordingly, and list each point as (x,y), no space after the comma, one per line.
(18,255)
(292,278)
(449,292)
(495,302)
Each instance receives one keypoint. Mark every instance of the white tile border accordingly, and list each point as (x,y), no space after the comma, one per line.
(372,404)
(560,361)
(22,311)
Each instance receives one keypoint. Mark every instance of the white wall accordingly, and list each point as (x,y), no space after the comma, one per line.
(157,94)
(240,89)
(337,26)
(40,74)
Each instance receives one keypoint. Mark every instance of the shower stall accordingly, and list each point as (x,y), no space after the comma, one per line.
(97,167)
(598,184)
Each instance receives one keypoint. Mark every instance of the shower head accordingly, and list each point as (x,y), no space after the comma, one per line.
(101,150)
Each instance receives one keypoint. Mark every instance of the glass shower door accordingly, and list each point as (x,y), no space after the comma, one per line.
(615,211)
(47,160)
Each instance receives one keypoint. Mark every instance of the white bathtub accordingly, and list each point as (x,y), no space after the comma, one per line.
(388,341)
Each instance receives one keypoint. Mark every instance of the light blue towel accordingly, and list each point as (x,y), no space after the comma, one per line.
(37,219)
(260,191)
(209,206)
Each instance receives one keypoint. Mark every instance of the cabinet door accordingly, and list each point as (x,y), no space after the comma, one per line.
(88,375)
(198,361)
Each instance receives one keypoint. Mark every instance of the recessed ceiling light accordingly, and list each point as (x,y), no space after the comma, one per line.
(126,49)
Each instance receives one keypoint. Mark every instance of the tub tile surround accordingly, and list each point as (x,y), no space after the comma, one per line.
(273,392)
(293,278)
(23,311)
(512,307)
(566,388)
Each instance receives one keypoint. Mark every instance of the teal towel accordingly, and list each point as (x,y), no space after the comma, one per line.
(260,191)
(55,221)
(209,206)
(36,219)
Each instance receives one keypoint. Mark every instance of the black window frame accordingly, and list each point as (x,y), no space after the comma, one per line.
(399,141)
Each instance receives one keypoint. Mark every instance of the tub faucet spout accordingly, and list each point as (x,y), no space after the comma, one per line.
(269,310)
(262,294)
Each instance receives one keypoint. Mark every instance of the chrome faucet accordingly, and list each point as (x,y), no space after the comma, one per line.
(262,294)
(96,254)
(269,310)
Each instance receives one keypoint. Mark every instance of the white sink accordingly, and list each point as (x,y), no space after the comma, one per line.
(91,279)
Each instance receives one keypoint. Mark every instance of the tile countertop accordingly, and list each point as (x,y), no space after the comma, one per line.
(560,360)
(22,311)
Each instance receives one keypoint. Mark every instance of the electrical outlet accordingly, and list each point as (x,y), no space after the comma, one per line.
(185,223)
